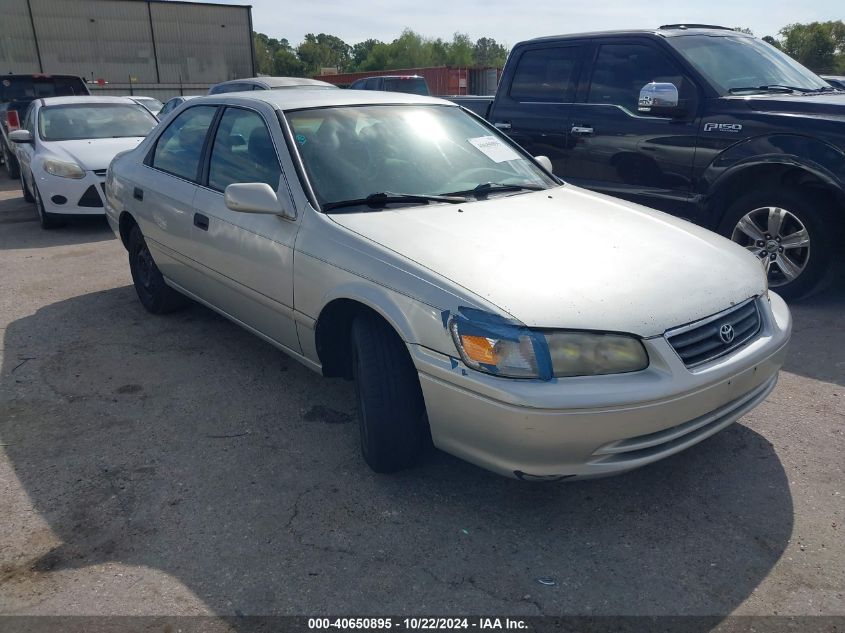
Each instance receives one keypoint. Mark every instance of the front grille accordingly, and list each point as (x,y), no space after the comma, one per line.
(703,341)
(90,198)
(100,172)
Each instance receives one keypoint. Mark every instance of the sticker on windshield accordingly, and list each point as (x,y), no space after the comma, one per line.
(494,149)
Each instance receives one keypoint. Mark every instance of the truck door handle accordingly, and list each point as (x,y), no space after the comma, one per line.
(580,130)
(502,125)
(201,221)
(138,194)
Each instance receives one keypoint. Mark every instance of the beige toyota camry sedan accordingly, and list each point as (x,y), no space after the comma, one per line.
(528,326)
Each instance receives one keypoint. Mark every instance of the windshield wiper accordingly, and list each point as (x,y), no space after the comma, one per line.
(382,198)
(493,187)
(770,88)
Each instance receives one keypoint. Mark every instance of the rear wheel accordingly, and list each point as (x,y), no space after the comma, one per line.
(790,232)
(155,295)
(391,410)
(48,220)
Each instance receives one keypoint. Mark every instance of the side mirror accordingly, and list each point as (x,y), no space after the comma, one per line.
(545,163)
(20,136)
(660,99)
(254,197)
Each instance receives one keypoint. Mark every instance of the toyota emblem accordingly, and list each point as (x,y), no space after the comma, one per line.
(726,333)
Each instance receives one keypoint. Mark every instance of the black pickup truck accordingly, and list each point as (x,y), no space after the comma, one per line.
(17,92)
(702,122)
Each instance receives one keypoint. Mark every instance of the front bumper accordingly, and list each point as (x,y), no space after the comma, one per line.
(84,196)
(598,425)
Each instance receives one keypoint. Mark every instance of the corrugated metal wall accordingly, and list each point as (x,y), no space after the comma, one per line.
(17,44)
(153,42)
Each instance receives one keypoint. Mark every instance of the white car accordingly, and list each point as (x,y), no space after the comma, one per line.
(65,146)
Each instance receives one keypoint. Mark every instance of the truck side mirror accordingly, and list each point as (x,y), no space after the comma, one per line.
(660,99)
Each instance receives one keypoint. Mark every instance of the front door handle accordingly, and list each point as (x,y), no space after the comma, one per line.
(581,130)
(502,125)
(138,193)
(201,221)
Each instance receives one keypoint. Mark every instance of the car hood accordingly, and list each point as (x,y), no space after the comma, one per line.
(819,104)
(569,258)
(93,154)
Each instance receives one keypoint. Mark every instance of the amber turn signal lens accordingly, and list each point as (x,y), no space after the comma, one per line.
(480,349)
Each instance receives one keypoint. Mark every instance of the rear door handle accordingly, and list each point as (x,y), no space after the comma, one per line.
(201,221)
(580,130)
(502,125)
(138,194)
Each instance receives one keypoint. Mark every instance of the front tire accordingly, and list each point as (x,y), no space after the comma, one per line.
(790,232)
(391,409)
(25,189)
(48,220)
(12,166)
(155,295)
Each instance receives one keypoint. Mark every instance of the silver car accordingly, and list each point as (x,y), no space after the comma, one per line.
(528,326)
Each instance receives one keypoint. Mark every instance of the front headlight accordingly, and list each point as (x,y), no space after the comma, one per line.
(63,169)
(496,346)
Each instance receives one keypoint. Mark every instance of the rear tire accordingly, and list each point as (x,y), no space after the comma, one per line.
(155,295)
(48,220)
(391,409)
(800,218)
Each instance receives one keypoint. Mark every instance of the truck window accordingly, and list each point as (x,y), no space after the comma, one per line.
(621,70)
(28,87)
(545,74)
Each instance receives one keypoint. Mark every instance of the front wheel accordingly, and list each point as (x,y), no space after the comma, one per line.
(12,167)
(789,232)
(155,295)
(391,410)
(47,220)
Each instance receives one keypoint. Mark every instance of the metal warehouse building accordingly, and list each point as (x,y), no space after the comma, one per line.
(135,43)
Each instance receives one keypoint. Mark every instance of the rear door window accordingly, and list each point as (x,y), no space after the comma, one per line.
(546,74)
(179,148)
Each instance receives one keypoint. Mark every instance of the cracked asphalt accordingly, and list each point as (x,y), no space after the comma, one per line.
(178,465)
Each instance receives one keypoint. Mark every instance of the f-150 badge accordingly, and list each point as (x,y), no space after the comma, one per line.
(723,127)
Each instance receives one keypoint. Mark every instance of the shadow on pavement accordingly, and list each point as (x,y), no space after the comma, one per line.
(185,444)
(818,335)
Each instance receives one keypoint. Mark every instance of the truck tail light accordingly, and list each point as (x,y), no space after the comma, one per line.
(13,122)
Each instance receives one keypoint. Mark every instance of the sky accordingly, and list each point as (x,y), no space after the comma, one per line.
(509,21)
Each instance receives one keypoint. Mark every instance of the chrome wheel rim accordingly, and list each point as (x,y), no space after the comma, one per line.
(778,239)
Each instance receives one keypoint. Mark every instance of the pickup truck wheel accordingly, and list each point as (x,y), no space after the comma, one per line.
(391,410)
(47,220)
(789,232)
(12,167)
(155,295)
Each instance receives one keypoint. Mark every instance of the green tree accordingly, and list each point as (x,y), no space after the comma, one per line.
(461,50)
(820,46)
(319,51)
(361,51)
(489,53)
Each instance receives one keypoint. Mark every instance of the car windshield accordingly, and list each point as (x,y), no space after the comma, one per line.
(740,64)
(90,121)
(352,152)
(150,102)
(411,85)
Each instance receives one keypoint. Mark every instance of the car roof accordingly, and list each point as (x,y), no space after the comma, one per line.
(675,30)
(279,82)
(49,101)
(295,99)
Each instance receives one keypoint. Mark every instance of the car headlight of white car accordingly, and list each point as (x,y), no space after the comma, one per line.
(493,345)
(63,169)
